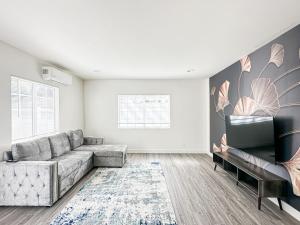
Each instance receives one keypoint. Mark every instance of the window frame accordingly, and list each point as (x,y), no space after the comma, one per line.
(144,128)
(56,100)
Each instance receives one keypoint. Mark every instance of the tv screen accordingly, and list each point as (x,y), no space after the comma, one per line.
(252,134)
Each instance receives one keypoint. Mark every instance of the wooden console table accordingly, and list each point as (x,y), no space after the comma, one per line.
(258,180)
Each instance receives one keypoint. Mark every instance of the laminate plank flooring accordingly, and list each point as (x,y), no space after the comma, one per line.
(200,196)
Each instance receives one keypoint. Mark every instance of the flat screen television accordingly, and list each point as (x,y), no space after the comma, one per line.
(252,134)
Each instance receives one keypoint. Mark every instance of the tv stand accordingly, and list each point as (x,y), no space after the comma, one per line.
(257,180)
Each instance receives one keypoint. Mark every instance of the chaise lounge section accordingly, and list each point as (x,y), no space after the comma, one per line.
(46,168)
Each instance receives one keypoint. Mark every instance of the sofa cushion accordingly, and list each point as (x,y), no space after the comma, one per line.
(71,167)
(92,141)
(76,138)
(36,150)
(105,150)
(70,162)
(66,183)
(59,144)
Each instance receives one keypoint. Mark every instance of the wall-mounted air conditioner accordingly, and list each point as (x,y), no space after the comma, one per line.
(53,74)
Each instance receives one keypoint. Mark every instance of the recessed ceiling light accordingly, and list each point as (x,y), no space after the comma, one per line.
(190,70)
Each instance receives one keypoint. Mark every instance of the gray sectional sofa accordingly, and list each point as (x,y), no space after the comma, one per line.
(48,167)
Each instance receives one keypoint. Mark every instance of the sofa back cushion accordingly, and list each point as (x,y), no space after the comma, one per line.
(76,138)
(36,150)
(59,144)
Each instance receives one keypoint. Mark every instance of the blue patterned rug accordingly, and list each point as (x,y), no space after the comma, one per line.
(132,195)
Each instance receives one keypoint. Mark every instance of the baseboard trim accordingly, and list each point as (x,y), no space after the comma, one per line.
(287,208)
(166,150)
(209,154)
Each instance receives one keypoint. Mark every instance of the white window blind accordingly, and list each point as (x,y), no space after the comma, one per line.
(34,109)
(144,111)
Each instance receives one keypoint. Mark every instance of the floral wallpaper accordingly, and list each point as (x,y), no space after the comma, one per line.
(265,82)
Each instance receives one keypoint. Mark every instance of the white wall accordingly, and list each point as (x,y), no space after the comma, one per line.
(189,130)
(17,63)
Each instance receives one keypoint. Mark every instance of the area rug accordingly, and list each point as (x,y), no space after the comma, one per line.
(132,195)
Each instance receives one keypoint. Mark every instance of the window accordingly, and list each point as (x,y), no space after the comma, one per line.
(34,109)
(144,111)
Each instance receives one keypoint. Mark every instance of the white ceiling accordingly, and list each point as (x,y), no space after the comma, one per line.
(144,39)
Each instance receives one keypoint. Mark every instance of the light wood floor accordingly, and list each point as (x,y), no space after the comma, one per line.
(199,195)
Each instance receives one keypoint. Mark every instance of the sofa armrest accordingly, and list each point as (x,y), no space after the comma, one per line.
(93,141)
(28,183)
(7,155)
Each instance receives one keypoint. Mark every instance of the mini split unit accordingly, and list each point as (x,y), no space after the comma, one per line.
(52,74)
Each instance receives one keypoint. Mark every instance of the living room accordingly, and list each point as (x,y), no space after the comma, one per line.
(149,112)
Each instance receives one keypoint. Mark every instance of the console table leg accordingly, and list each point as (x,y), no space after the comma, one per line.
(279,203)
(259,203)
(215,167)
